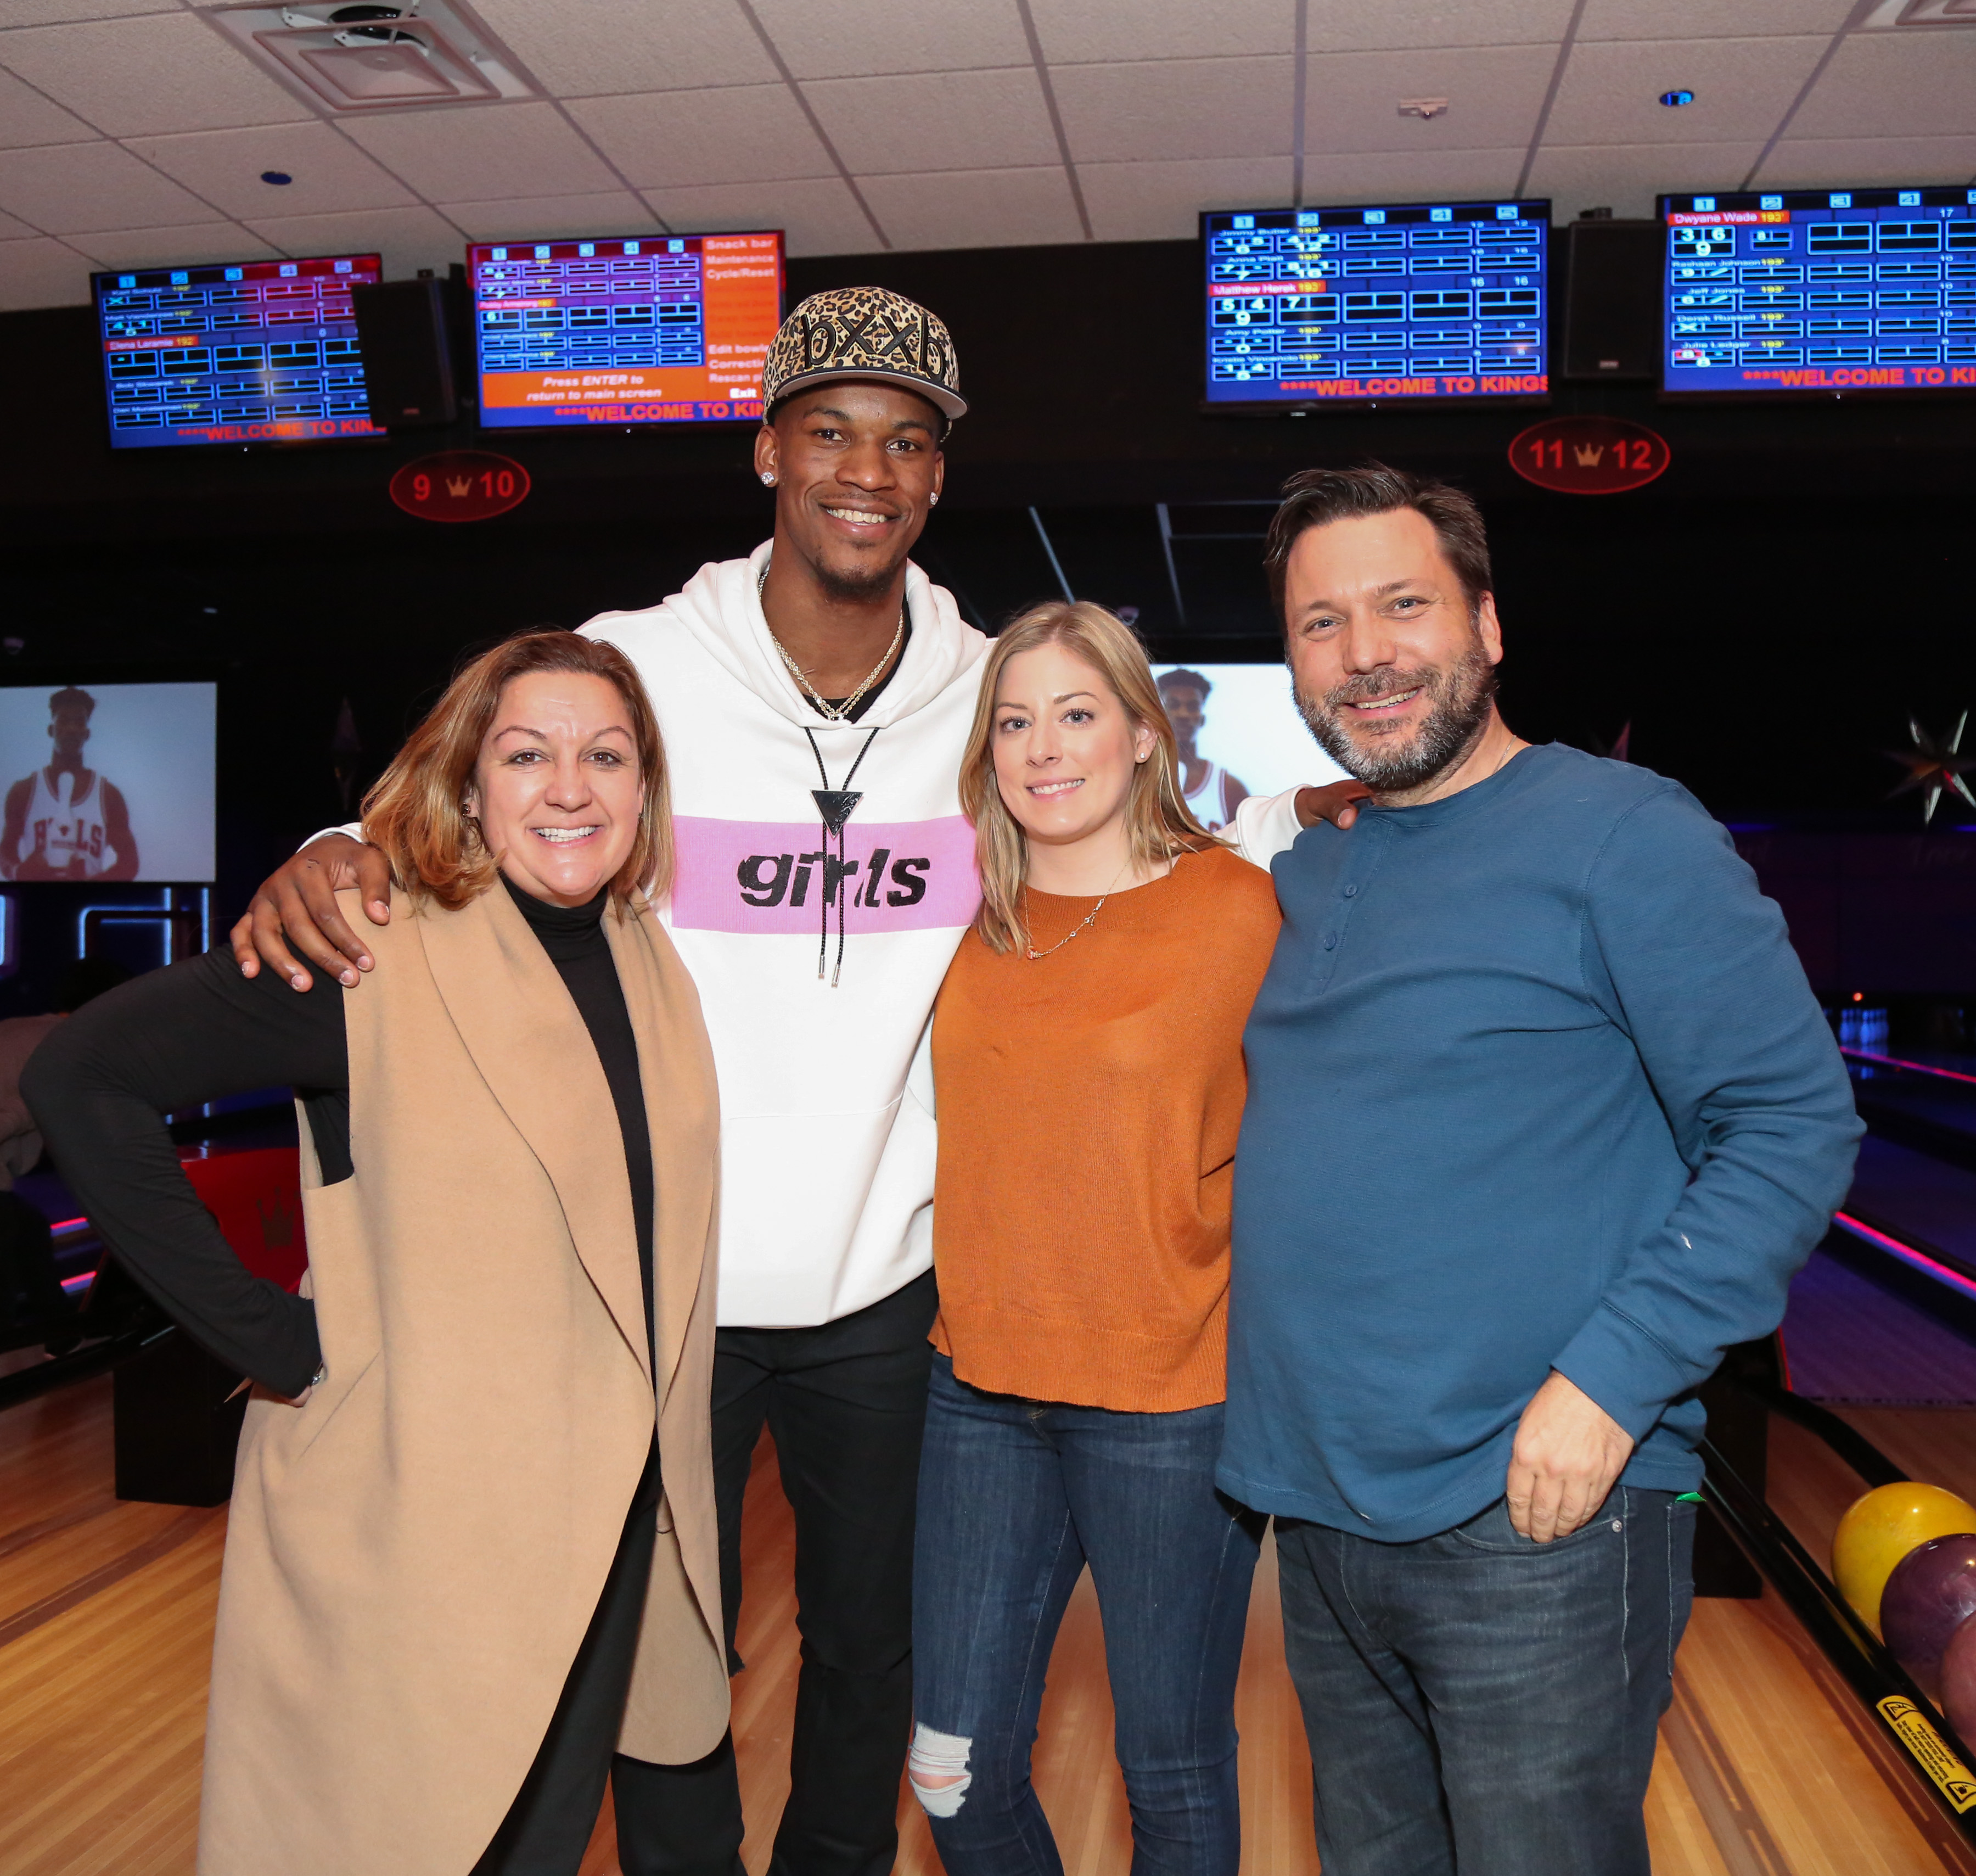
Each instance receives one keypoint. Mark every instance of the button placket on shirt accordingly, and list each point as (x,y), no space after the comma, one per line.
(1341,903)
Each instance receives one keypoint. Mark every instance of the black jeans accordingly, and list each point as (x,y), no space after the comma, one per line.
(1476,1701)
(846,1403)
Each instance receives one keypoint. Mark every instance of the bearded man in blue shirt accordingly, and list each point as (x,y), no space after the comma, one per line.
(1542,1117)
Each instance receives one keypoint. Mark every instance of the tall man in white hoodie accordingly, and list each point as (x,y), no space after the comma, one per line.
(814,699)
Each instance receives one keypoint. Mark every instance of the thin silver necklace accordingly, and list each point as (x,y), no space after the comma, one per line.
(837,713)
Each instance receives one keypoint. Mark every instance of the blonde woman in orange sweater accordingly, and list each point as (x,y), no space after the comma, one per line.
(1087,1059)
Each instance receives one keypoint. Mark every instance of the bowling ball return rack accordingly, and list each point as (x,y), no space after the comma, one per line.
(1746,1390)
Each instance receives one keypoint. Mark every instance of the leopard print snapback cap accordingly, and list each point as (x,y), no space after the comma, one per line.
(864,332)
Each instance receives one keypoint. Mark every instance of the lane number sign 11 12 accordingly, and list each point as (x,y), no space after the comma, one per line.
(1589,455)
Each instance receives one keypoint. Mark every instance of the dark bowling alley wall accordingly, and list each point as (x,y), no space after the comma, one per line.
(1766,615)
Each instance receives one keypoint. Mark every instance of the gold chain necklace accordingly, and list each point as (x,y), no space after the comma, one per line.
(838,713)
(1085,926)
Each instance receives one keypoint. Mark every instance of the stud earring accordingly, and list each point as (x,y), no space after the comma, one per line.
(932,500)
(768,481)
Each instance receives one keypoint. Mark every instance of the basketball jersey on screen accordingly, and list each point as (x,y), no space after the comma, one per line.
(1209,803)
(60,829)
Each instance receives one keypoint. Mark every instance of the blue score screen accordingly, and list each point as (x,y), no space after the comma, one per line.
(1824,290)
(1441,300)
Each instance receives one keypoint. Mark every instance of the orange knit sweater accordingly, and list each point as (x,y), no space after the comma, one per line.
(1088,1105)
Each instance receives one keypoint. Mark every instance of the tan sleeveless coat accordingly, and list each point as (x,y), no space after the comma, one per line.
(415,1553)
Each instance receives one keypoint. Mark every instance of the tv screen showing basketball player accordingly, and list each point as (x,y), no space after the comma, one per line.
(1239,735)
(107,782)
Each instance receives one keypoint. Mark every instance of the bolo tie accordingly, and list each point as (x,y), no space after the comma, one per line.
(834,805)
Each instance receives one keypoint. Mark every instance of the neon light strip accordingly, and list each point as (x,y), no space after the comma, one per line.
(71,1284)
(1908,1254)
(67,1224)
(1918,1068)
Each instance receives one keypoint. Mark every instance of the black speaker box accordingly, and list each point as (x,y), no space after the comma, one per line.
(176,1414)
(1612,289)
(402,326)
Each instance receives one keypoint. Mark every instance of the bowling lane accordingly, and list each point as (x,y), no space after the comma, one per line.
(1921,1199)
(1851,1341)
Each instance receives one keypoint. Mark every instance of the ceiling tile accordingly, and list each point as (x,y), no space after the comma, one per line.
(1626,177)
(604,46)
(159,72)
(69,188)
(13,230)
(553,218)
(1411,175)
(329,172)
(201,242)
(975,209)
(1895,85)
(1077,32)
(1611,91)
(667,140)
(27,118)
(1352,100)
(408,238)
(1175,108)
(1709,19)
(856,38)
(1397,25)
(936,121)
(817,216)
(1868,162)
(48,12)
(476,154)
(1160,201)
(41,273)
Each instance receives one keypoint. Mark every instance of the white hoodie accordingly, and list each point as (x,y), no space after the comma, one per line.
(826,1089)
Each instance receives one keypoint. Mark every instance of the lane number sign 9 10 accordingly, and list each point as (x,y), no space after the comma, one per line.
(460,485)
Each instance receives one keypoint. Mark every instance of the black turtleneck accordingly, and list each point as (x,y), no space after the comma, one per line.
(102,1084)
(573,936)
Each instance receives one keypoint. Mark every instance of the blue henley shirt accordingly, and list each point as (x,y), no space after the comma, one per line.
(1536,1081)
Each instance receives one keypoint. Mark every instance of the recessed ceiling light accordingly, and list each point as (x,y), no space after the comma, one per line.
(280,178)
(1677,97)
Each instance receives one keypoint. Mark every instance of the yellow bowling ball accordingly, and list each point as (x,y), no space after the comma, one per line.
(1881,1529)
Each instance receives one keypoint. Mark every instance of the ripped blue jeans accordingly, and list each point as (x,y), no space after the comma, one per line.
(1015,1496)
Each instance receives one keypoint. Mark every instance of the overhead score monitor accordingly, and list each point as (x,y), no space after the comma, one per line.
(245,352)
(1424,301)
(1820,292)
(666,329)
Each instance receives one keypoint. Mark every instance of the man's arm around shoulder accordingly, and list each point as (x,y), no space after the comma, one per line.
(297,903)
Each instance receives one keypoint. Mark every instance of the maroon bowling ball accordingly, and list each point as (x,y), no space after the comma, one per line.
(1932,1593)
(1958,1680)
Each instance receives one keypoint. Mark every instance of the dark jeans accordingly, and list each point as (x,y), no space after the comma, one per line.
(845,1403)
(1015,1496)
(1476,1700)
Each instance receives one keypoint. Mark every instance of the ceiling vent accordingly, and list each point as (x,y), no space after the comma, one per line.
(1890,15)
(373,56)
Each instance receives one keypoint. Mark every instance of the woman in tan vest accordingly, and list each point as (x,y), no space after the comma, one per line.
(1087,1052)
(471,1551)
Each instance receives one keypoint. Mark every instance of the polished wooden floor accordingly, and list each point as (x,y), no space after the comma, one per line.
(1765,1769)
